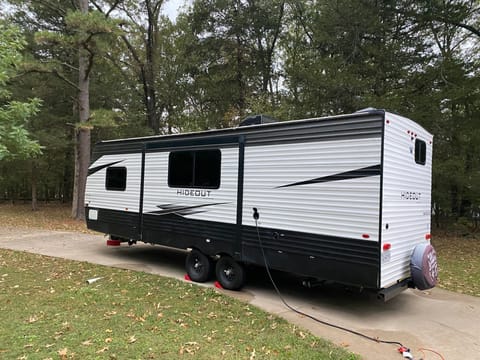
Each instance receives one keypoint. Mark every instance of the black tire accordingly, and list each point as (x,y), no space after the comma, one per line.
(199,266)
(230,274)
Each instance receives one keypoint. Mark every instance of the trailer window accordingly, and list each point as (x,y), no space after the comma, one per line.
(116,178)
(199,169)
(420,151)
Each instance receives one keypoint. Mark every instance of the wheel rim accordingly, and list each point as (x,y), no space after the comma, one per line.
(197,265)
(229,273)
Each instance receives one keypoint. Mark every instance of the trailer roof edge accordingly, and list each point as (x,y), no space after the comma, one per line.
(243,129)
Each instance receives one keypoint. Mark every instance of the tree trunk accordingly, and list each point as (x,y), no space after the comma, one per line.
(34,186)
(241,85)
(153,10)
(82,132)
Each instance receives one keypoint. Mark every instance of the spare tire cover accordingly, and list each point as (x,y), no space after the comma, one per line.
(423,266)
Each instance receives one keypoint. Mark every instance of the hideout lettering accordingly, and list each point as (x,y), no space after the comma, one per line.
(193,192)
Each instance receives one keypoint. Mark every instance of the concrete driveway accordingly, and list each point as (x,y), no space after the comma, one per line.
(439,320)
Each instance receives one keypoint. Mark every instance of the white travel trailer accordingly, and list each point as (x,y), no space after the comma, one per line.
(343,198)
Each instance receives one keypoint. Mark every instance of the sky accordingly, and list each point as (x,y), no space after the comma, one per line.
(172,7)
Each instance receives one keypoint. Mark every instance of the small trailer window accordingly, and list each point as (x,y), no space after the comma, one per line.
(199,169)
(116,178)
(420,151)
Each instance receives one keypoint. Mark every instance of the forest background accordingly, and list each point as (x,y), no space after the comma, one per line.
(74,72)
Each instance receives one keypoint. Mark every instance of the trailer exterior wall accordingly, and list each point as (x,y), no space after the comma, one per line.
(406,204)
(117,212)
(222,223)
(318,200)
(290,186)
(317,183)
(192,217)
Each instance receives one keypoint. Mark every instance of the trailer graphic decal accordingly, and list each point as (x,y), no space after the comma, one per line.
(347,175)
(181,210)
(95,169)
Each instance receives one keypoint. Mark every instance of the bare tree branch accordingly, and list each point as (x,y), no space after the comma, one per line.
(302,21)
(107,13)
(157,6)
(99,8)
(132,50)
(62,77)
(69,66)
(115,4)
(53,71)
(468,27)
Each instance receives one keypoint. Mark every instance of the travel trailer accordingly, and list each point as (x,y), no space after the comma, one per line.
(343,198)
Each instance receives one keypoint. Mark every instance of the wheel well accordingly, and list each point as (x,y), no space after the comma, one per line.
(196,248)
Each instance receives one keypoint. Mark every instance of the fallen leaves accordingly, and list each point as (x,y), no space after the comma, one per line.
(63,353)
(32,319)
(212,315)
(108,315)
(53,216)
(102,350)
(190,347)
(132,339)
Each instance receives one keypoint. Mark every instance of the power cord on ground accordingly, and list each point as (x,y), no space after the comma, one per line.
(402,349)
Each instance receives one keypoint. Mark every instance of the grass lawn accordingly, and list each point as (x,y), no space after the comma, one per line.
(52,216)
(48,311)
(459,263)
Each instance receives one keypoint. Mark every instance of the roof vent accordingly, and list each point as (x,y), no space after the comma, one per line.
(257,120)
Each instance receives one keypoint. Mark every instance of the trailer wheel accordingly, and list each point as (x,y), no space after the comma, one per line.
(199,266)
(230,274)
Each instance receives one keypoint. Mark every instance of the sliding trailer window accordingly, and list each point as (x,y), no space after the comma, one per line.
(420,151)
(194,169)
(116,178)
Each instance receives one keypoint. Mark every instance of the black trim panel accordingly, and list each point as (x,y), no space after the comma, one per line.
(323,257)
(113,148)
(373,170)
(209,237)
(344,260)
(177,143)
(240,181)
(119,223)
(351,126)
(142,186)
